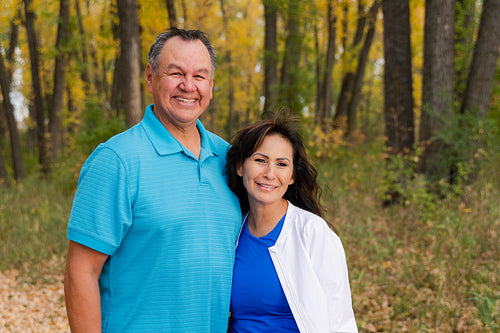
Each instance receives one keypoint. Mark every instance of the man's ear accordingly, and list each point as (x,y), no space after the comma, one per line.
(148,73)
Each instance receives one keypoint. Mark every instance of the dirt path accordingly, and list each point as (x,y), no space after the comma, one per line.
(26,308)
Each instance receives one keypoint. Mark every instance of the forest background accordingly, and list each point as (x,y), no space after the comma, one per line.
(398,101)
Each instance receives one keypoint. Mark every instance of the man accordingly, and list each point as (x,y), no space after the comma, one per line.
(153,224)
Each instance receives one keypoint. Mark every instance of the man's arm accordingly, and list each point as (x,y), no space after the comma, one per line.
(81,288)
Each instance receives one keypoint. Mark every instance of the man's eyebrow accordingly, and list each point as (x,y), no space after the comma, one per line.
(173,66)
(202,70)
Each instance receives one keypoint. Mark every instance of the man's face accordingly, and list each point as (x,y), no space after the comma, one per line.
(182,88)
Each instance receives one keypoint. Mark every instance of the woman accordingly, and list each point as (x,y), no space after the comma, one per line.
(290,273)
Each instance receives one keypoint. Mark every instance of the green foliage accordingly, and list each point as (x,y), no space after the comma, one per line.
(430,264)
(488,310)
(33,218)
(98,126)
(414,267)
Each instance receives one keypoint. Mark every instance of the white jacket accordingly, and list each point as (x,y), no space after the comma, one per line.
(311,265)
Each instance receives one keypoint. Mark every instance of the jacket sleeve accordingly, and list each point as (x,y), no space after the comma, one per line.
(330,266)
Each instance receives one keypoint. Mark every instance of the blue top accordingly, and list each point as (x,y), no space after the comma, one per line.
(168,222)
(258,303)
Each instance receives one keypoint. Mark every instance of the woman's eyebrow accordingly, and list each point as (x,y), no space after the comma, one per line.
(267,157)
(260,154)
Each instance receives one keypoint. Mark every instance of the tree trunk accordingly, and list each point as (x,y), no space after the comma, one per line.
(55,111)
(398,104)
(344,25)
(465,27)
(360,71)
(437,88)
(340,117)
(230,68)
(325,99)
(184,12)
(37,90)
(85,75)
(129,66)
(270,58)
(5,83)
(318,70)
(289,95)
(482,71)
(398,101)
(15,143)
(4,179)
(172,15)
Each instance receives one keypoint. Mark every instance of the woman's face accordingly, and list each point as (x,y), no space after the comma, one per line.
(268,172)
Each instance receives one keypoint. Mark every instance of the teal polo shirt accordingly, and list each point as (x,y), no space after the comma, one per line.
(168,222)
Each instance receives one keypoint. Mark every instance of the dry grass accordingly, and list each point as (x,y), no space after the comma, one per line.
(33,307)
(427,266)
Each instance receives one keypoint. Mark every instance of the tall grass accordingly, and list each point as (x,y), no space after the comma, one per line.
(429,265)
(33,219)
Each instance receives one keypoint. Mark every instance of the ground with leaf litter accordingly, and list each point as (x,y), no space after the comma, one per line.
(27,306)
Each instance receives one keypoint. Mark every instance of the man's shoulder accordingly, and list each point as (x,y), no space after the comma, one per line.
(219,145)
(126,139)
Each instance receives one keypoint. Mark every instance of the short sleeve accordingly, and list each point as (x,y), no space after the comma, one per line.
(101,214)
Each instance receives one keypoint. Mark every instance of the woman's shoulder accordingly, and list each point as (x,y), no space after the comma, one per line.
(306,219)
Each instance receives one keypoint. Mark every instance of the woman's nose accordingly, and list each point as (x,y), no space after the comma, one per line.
(269,171)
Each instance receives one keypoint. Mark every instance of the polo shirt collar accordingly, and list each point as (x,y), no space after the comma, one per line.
(165,143)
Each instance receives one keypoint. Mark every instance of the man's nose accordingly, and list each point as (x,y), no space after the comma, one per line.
(188,83)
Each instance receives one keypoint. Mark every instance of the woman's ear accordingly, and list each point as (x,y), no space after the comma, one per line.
(239,169)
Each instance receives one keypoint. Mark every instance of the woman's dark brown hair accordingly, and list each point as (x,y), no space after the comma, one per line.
(304,192)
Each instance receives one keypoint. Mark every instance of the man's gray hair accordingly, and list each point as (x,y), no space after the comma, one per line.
(187,35)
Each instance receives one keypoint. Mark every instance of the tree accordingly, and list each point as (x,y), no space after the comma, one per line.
(481,76)
(398,87)
(85,76)
(360,71)
(38,104)
(8,108)
(270,57)
(465,27)
(172,14)
(324,99)
(288,92)
(437,88)
(398,82)
(230,67)
(340,117)
(128,66)
(55,109)
(3,169)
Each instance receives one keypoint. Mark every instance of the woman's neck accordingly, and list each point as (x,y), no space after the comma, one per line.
(263,218)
